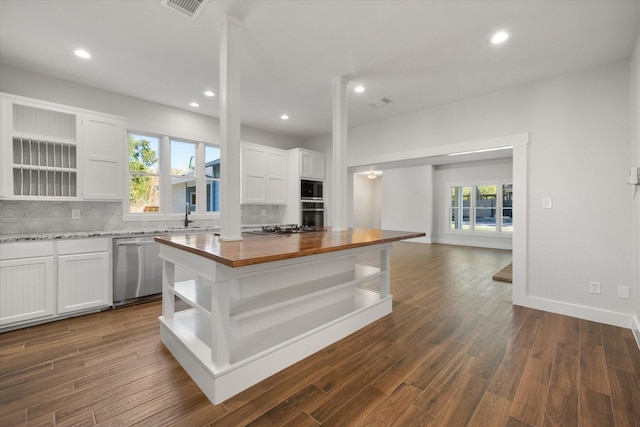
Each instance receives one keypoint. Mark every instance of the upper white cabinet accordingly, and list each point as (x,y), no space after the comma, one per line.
(55,152)
(311,164)
(40,151)
(264,175)
(103,146)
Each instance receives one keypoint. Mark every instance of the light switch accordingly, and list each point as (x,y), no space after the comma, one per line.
(546,203)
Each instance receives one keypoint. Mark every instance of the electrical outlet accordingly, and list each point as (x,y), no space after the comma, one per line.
(547,203)
(594,288)
(75,213)
(623,292)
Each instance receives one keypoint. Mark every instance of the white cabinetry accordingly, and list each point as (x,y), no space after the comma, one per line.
(55,152)
(311,164)
(49,279)
(83,274)
(103,140)
(40,151)
(264,175)
(26,281)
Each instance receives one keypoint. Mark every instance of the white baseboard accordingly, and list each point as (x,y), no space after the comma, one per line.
(475,242)
(636,330)
(581,312)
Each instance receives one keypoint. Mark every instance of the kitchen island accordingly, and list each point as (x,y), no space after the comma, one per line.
(263,303)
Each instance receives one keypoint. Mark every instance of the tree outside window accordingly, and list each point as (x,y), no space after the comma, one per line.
(144,173)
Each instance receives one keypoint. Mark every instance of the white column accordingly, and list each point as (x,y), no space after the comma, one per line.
(230,129)
(340,154)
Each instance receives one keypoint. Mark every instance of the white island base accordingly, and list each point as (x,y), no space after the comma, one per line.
(246,323)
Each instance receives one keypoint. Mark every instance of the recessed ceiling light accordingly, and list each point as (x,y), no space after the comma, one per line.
(499,37)
(358,89)
(209,93)
(284,117)
(194,104)
(82,53)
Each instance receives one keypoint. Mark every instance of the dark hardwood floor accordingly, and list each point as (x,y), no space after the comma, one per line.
(454,352)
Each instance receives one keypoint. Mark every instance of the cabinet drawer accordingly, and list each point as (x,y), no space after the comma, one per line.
(79,246)
(28,249)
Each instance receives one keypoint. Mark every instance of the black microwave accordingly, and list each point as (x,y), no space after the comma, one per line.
(310,190)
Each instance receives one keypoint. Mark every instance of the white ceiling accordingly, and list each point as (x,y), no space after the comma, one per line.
(417,53)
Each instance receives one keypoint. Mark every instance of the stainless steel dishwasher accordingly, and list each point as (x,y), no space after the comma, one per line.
(137,270)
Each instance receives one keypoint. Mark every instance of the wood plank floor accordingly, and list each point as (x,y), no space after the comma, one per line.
(454,352)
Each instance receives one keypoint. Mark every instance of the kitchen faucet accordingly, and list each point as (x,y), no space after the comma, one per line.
(186,215)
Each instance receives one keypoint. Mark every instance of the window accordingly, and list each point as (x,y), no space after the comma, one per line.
(144,173)
(490,208)
(170,176)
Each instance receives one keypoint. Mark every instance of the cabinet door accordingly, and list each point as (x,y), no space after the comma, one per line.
(103,144)
(318,167)
(276,177)
(83,281)
(26,289)
(254,174)
(306,165)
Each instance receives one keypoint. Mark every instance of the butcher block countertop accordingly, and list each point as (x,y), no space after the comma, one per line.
(257,248)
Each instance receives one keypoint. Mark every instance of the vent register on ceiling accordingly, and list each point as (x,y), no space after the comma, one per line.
(190,8)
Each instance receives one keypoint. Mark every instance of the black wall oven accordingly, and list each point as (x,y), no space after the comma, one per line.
(310,190)
(312,214)
(311,203)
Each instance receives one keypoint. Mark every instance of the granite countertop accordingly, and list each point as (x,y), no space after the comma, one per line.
(261,248)
(111,233)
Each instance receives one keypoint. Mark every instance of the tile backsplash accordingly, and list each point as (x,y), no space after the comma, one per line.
(32,217)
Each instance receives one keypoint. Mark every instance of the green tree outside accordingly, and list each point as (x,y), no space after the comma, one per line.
(143,190)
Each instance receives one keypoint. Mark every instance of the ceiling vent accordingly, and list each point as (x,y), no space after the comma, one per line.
(380,102)
(191,8)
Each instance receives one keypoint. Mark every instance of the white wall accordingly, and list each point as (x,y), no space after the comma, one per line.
(497,171)
(635,162)
(367,199)
(407,200)
(141,115)
(578,154)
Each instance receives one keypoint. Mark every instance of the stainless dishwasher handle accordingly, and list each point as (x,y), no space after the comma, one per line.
(151,242)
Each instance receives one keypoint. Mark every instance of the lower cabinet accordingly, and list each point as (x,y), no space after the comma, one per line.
(26,289)
(31,289)
(83,274)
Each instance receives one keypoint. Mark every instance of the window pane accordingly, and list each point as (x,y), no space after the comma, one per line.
(507,196)
(213,196)
(183,158)
(465,219)
(143,193)
(460,202)
(466,197)
(507,219)
(183,181)
(455,199)
(507,204)
(455,219)
(485,219)
(486,196)
(144,153)
(211,162)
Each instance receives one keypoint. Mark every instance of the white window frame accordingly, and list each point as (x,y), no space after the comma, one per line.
(472,209)
(164,166)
